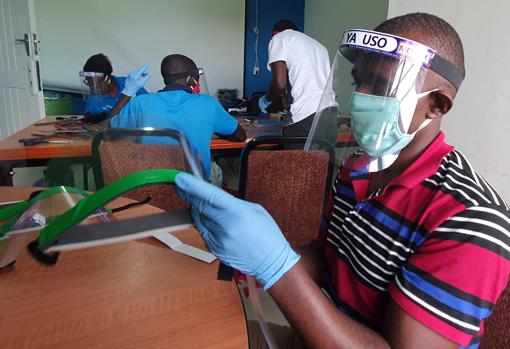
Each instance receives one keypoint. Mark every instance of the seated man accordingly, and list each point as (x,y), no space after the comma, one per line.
(415,247)
(105,88)
(179,106)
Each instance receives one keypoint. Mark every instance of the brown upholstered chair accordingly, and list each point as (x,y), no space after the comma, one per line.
(290,184)
(497,326)
(117,153)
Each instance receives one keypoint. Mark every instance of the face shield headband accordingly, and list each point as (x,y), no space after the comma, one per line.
(168,79)
(398,47)
(86,75)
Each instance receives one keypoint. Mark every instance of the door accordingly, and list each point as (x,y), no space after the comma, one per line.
(21,98)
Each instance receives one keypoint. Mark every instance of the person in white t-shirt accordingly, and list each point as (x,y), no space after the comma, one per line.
(300,65)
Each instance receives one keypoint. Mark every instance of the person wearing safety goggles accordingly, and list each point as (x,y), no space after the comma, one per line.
(300,67)
(413,251)
(182,105)
(104,88)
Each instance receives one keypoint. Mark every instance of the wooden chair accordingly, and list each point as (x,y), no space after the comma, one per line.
(116,153)
(292,185)
(497,326)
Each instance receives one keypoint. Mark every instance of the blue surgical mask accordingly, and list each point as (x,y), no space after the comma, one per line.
(375,124)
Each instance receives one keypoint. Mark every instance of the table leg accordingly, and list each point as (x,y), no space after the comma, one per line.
(6,174)
(86,167)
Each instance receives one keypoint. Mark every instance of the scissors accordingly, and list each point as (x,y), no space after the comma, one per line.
(41,140)
(72,117)
(62,120)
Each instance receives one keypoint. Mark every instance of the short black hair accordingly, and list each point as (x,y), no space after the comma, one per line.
(99,63)
(284,24)
(175,64)
(441,35)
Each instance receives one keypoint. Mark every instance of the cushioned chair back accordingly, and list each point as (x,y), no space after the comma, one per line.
(497,326)
(120,158)
(291,185)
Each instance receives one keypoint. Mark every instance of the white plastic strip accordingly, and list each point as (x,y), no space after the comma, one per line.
(254,297)
(178,246)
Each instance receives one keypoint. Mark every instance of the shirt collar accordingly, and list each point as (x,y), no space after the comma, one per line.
(423,167)
(426,164)
(175,87)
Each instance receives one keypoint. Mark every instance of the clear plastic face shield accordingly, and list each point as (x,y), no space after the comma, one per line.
(195,79)
(62,215)
(38,212)
(170,149)
(93,83)
(371,96)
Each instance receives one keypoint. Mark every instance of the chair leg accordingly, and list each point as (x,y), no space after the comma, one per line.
(86,168)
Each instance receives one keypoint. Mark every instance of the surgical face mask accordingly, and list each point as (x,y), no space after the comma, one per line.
(375,123)
(196,88)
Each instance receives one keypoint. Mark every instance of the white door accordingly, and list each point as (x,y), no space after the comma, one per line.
(21,98)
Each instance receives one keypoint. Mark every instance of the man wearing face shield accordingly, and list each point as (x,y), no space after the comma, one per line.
(180,106)
(105,88)
(414,247)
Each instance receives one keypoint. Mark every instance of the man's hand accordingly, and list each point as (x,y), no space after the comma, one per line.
(135,81)
(242,234)
(263,104)
(239,135)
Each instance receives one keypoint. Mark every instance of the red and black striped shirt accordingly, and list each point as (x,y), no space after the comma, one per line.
(436,240)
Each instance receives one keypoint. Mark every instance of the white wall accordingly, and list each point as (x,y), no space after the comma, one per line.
(326,20)
(133,32)
(479,124)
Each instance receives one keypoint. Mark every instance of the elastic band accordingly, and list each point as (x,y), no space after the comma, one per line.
(174,77)
(447,70)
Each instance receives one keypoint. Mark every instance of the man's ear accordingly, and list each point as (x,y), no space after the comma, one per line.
(189,81)
(440,103)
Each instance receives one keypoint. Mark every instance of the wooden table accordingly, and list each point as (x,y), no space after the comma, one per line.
(14,154)
(12,149)
(138,294)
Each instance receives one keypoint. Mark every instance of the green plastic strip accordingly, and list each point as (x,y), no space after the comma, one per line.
(91,203)
(14,212)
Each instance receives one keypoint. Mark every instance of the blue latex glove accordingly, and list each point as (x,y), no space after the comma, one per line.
(263,104)
(135,81)
(242,234)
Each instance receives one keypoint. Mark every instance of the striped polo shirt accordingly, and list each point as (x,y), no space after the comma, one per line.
(436,240)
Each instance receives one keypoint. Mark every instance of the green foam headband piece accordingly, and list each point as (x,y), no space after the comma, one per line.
(12,213)
(91,203)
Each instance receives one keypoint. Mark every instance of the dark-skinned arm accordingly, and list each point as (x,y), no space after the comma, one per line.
(312,259)
(123,100)
(278,86)
(239,135)
(323,326)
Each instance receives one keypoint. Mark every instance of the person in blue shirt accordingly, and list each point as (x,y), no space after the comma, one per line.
(179,106)
(109,89)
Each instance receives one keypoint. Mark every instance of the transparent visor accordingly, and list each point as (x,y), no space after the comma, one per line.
(370,98)
(94,83)
(202,82)
(66,217)
(39,211)
(195,79)
(169,149)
